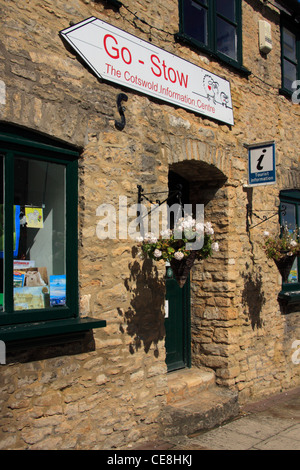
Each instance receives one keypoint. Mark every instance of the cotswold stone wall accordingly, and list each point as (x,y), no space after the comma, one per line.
(107,390)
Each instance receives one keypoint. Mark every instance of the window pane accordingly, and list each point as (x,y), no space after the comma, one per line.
(1,231)
(226,39)
(40,248)
(195,21)
(289,74)
(288,215)
(293,276)
(226,8)
(289,45)
(289,218)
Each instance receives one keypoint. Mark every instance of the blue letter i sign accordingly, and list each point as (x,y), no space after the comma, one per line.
(261,164)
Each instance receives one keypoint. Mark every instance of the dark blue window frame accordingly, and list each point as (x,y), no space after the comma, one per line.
(287,25)
(290,293)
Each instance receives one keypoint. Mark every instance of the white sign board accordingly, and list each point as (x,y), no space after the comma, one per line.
(261,164)
(122,58)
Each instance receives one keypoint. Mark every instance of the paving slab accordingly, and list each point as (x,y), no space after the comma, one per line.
(278,443)
(292,433)
(226,439)
(261,427)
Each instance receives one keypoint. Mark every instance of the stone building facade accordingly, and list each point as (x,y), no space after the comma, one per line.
(108,387)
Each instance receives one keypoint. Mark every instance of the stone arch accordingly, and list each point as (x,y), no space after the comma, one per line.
(182,148)
(210,296)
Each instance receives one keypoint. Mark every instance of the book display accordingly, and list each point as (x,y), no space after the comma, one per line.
(34,289)
(30,297)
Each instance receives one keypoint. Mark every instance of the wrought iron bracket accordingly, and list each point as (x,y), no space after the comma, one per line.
(177,194)
(250,213)
(121,124)
(172,195)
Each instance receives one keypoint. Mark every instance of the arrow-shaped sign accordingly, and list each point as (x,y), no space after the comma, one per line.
(122,58)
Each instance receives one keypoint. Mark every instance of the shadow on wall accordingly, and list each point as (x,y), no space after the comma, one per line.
(253,298)
(145,316)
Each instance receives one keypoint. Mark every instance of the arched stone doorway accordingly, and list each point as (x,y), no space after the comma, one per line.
(200,301)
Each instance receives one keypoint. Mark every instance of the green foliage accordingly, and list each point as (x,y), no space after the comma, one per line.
(282,244)
(169,245)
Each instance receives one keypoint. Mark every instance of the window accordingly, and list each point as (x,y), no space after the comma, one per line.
(214,26)
(290,216)
(38,238)
(290,56)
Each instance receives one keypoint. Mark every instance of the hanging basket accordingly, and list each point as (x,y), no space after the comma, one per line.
(284,265)
(181,269)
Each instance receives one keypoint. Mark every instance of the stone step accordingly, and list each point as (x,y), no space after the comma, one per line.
(208,409)
(186,383)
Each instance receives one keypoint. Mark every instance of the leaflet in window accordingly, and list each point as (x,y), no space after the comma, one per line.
(57,290)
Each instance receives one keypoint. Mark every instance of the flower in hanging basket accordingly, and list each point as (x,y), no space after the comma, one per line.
(283,249)
(286,243)
(176,246)
(179,255)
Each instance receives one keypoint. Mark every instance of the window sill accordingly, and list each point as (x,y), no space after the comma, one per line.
(49,328)
(289,300)
(181,37)
(287,93)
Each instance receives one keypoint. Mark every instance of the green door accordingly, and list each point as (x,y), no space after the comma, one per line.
(177,323)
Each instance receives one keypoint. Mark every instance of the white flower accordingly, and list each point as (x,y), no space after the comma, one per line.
(208,228)
(215,246)
(290,253)
(150,238)
(166,233)
(185,223)
(139,239)
(200,227)
(178,255)
(293,243)
(266,233)
(157,253)
(189,222)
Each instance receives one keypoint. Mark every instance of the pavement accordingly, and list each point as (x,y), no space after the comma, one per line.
(269,424)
